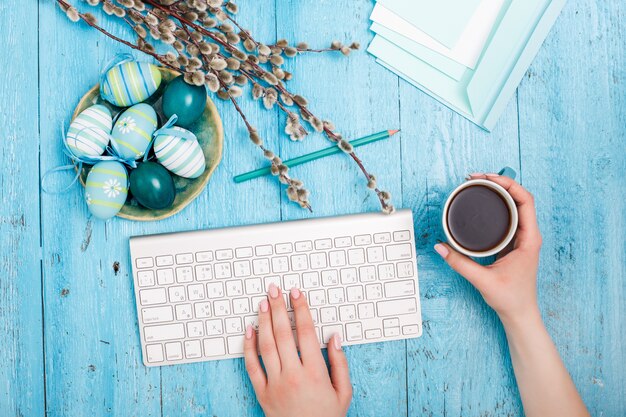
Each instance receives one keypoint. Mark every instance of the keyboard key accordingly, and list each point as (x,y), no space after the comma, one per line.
(223,270)
(261,266)
(317,298)
(304,246)
(242,269)
(382,238)
(410,330)
(157,314)
(299,262)
(174,351)
(253,286)
(398,252)
(328,314)
(336,296)
(392,332)
(241,306)
(234,288)
(204,272)
(145,263)
(355,294)
(402,236)
(347,313)
(283,248)
(184,258)
(373,291)
(329,331)
(337,258)
(315,316)
(246,252)
(255,302)
(386,272)
(394,322)
(195,329)
(233,325)
(367,273)
(396,307)
(362,240)
(214,290)
(405,269)
(343,242)
(310,280)
(223,254)
(166,260)
(193,349)
(280,264)
(271,280)
(165,276)
(214,327)
(221,308)
(399,288)
(291,281)
(322,244)
(356,256)
(330,278)
(184,274)
(204,256)
(235,345)
(214,347)
(373,334)
(348,276)
(196,292)
(265,250)
(184,312)
(366,311)
(375,254)
(164,332)
(145,278)
(354,331)
(251,321)
(154,353)
(177,294)
(203,310)
(318,260)
(153,296)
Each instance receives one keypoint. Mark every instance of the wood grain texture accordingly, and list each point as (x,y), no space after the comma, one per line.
(564,132)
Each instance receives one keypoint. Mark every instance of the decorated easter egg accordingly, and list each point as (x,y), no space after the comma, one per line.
(130,83)
(88,134)
(152,186)
(178,150)
(106,189)
(133,131)
(184,100)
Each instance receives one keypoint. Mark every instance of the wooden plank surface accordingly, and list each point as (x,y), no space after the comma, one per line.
(564,132)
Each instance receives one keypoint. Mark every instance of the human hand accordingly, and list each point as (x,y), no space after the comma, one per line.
(509,285)
(291,385)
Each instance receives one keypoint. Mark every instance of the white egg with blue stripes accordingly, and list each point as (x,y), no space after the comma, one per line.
(181,153)
(88,135)
(106,189)
(133,131)
(130,83)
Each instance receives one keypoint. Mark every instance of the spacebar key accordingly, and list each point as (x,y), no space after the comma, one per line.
(396,307)
(167,332)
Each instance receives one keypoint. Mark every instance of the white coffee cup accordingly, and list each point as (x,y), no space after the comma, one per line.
(509,202)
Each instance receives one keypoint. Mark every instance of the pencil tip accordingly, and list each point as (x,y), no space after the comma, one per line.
(393,132)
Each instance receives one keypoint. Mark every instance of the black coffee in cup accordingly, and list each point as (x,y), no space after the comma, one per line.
(478,218)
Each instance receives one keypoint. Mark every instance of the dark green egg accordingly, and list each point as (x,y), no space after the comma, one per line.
(152,185)
(185,100)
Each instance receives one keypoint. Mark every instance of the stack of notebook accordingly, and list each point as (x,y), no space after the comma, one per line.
(468,54)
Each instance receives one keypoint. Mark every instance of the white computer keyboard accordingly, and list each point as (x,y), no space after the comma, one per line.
(196,292)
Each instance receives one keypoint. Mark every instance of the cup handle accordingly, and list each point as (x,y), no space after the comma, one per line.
(508,172)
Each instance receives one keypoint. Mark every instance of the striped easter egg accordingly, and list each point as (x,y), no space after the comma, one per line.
(130,83)
(88,134)
(106,189)
(133,131)
(180,154)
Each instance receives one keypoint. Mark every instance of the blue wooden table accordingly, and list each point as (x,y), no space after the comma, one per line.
(69,343)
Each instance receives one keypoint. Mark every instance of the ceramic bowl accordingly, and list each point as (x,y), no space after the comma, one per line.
(209,132)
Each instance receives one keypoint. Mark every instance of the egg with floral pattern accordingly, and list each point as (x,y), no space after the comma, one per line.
(129,83)
(106,189)
(178,150)
(88,135)
(133,131)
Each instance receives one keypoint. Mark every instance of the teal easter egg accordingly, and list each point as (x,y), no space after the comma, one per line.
(130,83)
(133,131)
(180,153)
(88,134)
(152,186)
(184,100)
(106,189)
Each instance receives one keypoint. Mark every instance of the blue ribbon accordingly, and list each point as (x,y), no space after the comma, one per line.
(167,129)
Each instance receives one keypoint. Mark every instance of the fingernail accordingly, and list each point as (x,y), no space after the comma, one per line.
(295,293)
(264,306)
(493,175)
(249,331)
(476,174)
(337,341)
(442,250)
(273,290)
